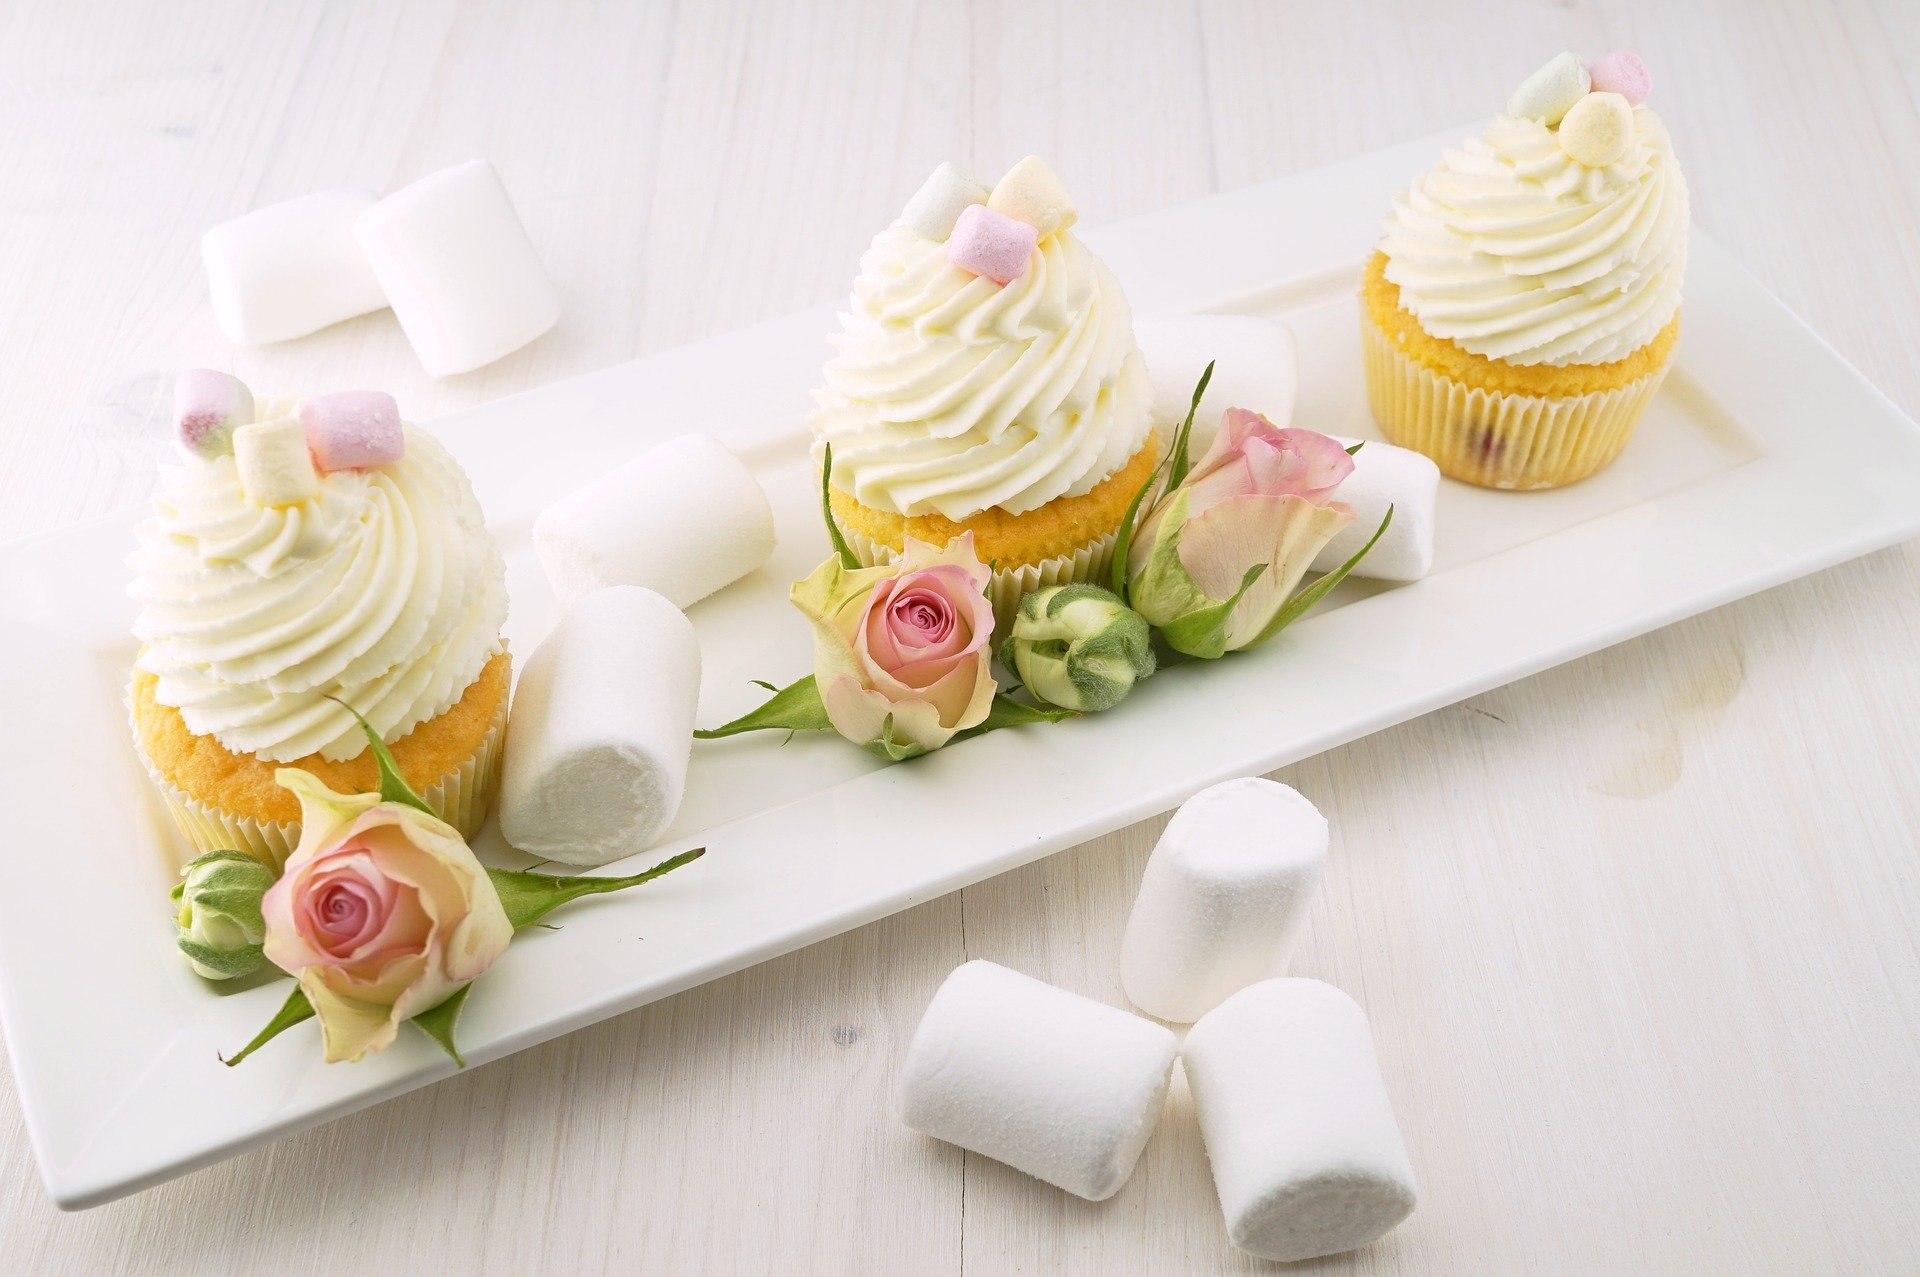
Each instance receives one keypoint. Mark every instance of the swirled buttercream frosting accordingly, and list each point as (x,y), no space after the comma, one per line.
(384,590)
(951,394)
(1513,250)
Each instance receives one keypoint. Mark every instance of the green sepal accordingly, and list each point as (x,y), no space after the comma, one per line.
(889,749)
(529,897)
(438,1023)
(294,1010)
(226,964)
(1203,633)
(1297,606)
(1355,449)
(393,786)
(794,708)
(840,547)
(1177,463)
(1007,712)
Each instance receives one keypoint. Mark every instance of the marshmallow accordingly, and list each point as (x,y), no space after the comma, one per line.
(1032,193)
(1621,72)
(459,271)
(935,207)
(1306,1156)
(685,518)
(991,244)
(275,467)
(207,405)
(1596,131)
(1255,366)
(1222,898)
(1383,476)
(1051,1083)
(353,429)
(601,730)
(290,269)
(1549,93)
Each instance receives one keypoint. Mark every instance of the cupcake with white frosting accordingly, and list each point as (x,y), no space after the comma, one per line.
(987,381)
(322,561)
(1523,306)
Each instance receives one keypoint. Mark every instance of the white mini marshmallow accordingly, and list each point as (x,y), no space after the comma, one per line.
(1306,1156)
(1383,476)
(274,465)
(1051,1083)
(685,518)
(1033,193)
(290,269)
(1222,898)
(937,205)
(601,730)
(458,268)
(1549,93)
(1255,366)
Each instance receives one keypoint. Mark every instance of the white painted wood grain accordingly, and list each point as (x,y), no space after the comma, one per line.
(1638,935)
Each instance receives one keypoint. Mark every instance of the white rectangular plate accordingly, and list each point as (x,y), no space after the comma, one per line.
(1765,457)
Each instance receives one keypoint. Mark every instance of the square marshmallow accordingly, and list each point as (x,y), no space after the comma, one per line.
(290,269)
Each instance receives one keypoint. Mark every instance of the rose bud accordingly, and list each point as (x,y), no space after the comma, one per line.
(219,923)
(1078,647)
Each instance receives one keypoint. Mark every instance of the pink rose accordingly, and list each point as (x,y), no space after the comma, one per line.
(382,912)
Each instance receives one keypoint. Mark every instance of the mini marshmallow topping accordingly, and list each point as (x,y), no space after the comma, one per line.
(991,244)
(207,406)
(937,205)
(275,467)
(1596,131)
(1549,93)
(1621,72)
(353,429)
(1034,194)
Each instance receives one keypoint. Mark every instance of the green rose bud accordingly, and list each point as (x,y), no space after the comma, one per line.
(219,922)
(1078,647)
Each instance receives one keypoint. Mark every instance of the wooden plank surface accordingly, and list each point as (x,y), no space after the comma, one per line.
(1637,936)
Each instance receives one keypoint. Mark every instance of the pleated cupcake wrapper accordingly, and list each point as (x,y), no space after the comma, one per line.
(462,798)
(1497,439)
(1089,563)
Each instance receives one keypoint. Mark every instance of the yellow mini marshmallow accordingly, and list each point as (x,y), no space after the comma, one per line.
(1033,193)
(275,467)
(1596,131)
(1549,93)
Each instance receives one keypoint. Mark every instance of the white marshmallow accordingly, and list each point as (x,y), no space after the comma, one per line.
(601,730)
(290,269)
(937,205)
(1255,366)
(1033,193)
(274,465)
(458,269)
(1549,93)
(1306,1156)
(685,518)
(1222,898)
(1051,1083)
(1383,476)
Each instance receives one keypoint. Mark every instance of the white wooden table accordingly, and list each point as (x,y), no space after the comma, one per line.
(1638,936)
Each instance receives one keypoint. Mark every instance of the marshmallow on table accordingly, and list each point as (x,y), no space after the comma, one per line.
(1222,898)
(458,269)
(1255,366)
(274,464)
(601,730)
(1549,93)
(290,269)
(353,429)
(937,205)
(207,406)
(1596,131)
(1383,476)
(991,244)
(685,518)
(1032,193)
(1051,1083)
(1307,1158)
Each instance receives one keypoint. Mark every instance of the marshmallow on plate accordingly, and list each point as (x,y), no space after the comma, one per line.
(937,205)
(1051,1083)
(273,462)
(207,406)
(1383,476)
(353,429)
(290,269)
(1306,1156)
(1222,898)
(601,730)
(1255,366)
(685,518)
(1033,193)
(458,269)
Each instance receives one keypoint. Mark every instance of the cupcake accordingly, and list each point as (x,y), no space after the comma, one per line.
(1523,306)
(987,381)
(322,560)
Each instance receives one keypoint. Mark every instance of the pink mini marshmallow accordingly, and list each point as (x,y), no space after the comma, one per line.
(991,244)
(353,430)
(207,405)
(1621,72)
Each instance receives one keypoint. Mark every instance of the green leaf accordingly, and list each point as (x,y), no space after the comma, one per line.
(1203,633)
(295,1009)
(840,546)
(1182,462)
(1007,712)
(1355,449)
(1123,539)
(794,708)
(1297,606)
(393,786)
(1174,468)
(529,897)
(439,1022)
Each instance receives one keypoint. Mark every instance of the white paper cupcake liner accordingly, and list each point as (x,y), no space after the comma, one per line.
(1090,563)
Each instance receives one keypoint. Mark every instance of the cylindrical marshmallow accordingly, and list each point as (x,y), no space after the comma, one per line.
(1306,1155)
(1222,898)
(1051,1083)
(1255,366)
(601,730)
(290,269)
(937,205)
(685,518)
(458,268)
(1383,476)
